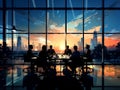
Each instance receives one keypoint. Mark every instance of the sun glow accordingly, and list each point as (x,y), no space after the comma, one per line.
(62,47)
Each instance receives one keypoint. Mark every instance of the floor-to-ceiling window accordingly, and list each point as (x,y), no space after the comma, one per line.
(60,23)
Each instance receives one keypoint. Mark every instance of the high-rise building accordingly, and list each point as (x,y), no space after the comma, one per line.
(80,44)
(19,43)
(94,40)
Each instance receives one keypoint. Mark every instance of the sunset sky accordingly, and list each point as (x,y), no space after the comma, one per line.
(56,23)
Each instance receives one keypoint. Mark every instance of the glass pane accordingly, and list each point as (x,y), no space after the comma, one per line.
(8,3)
(74,21)
(58,42)
(37,21)
(75,39)
(9,47)
(1,23)
(117,51)
(74,3)
(111,40)
(56,21)
(1,3)
(37,3)
(9,76)
(112,3)
(15,75)
(20,42)
(95,42)
(93,3)
(21,21)
(56,3)
(21,3)
(18,75)
(96,74)
(97,88)
(9,40)
(112,24)
(37,40)
(8,88)
(112,75)
(112,43)
(92,39)
(18,88)
(92,21)
(9,21)
(1,38)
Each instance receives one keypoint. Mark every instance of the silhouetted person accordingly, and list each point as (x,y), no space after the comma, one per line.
(67,72)
(3,68)
(30,52)
(76,59)
(67,51)
(49,80)
(4,57)
(30,80)
(42,58)
(87,81)
(51,55)
(51,52)
(6,51)
(88,53)
(68,83)
(1,52)
(28,56)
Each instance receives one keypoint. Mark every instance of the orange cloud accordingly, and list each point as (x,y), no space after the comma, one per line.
(109,41)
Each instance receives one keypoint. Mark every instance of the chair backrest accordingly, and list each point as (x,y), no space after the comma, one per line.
(26,58)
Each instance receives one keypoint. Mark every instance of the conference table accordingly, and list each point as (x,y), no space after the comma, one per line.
(61,61)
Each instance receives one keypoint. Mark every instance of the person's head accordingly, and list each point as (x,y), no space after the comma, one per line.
(75,47)
(87,46)
(67,47)
(44,48)
(30,46)
(4,44)
(50,46)
(0,45)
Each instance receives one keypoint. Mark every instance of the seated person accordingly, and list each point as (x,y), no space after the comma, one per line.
(67,51)
(88,54)
(76,60)
(87,81)
(28,56)
(51,52)
(30,80)
(42,58)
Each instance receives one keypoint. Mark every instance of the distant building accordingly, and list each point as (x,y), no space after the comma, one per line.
(39,46)
(94,41)
(19,43)
(80,44)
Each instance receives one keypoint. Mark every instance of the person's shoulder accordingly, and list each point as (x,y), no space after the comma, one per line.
(77,52)
(53,49)
(40,52)
(70,50)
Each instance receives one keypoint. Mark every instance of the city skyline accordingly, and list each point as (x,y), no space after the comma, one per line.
(57,23)
(60,23)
